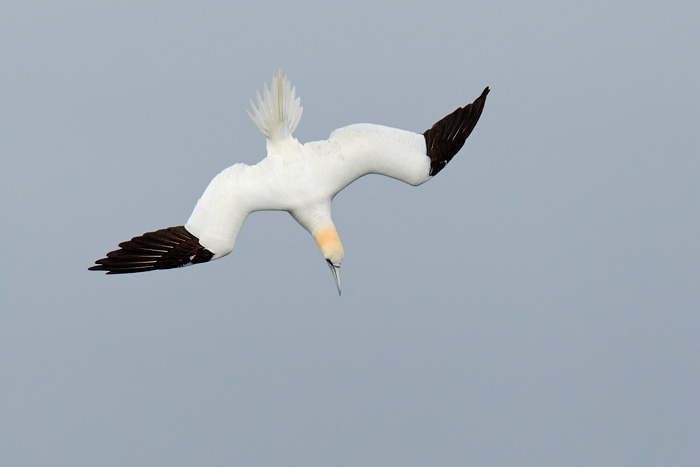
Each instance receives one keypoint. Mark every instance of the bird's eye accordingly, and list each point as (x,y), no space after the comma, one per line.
(329,262)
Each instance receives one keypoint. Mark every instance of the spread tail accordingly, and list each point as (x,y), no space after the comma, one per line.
(278,112)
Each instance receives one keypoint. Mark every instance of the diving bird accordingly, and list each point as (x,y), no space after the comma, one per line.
(299,178)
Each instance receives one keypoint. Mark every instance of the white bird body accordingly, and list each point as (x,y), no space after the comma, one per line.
(304,180)
(300,179)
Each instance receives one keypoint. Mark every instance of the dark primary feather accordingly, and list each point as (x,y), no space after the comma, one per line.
(446,137)
(163,249)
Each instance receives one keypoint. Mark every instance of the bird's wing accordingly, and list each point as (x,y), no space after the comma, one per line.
(414,158)
(210,232)
(163,249)
(230,197)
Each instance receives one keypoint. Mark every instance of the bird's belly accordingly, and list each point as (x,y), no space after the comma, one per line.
(296,185)
(301,193)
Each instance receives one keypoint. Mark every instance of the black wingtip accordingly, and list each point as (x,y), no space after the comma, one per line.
(444,139)
(163,249)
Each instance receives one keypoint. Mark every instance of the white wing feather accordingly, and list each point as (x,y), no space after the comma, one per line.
(362,149)
(226,203)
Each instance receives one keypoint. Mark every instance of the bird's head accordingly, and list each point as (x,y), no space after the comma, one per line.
(329,243)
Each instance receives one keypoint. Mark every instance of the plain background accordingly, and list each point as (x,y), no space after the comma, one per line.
(537,303)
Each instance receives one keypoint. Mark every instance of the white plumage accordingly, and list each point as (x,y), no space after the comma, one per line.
(300,179)
(278,114)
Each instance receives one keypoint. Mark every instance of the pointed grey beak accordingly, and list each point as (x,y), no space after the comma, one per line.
(336,275)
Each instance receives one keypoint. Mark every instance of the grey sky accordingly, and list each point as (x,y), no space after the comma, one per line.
(537,303)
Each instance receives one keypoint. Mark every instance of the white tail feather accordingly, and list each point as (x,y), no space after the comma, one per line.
(278,112)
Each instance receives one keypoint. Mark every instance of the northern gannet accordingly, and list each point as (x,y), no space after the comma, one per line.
(299,178)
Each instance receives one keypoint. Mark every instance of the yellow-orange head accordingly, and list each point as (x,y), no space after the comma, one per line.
(329,243)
